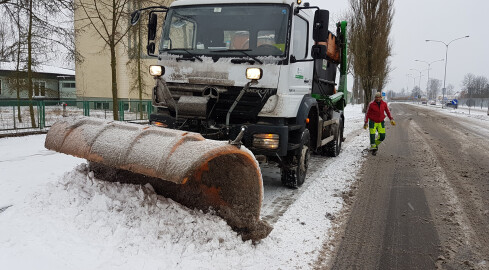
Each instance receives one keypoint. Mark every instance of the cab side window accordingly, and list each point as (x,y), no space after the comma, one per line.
(300,38)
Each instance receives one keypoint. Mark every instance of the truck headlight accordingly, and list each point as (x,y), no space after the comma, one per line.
(254,73)
(156,70)
(266,141)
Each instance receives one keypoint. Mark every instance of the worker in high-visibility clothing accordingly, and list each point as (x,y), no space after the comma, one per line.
(374,120)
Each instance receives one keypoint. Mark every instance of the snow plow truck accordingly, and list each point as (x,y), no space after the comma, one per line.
(258,73)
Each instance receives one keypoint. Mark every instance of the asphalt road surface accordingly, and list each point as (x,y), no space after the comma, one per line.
(423,201)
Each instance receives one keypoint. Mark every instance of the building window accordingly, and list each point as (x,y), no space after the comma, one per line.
(68,85)
(101,105)
(39,89)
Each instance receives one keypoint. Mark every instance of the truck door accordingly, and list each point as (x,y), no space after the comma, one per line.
(300,73)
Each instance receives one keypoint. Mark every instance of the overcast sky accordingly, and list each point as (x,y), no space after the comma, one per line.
(444,20)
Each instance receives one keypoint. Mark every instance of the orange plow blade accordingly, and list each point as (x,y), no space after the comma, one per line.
(186,167)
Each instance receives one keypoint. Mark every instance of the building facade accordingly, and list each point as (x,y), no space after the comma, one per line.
(93,73)
(50,83)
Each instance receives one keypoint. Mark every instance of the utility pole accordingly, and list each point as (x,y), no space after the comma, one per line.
(419,78)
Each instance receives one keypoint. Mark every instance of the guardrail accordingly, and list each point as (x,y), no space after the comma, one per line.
(16,115)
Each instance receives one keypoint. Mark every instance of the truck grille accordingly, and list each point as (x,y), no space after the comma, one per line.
(245,111)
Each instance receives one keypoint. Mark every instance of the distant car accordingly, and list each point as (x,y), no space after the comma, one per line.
(423,102)
(451,105)
(432,102)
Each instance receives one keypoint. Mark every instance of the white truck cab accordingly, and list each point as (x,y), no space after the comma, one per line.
(262,68)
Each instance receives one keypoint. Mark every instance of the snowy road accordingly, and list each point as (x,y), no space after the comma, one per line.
(422,202)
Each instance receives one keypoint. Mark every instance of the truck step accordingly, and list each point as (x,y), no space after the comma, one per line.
(295,127)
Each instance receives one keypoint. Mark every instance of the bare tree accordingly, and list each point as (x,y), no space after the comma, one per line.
(18,86)
(391,94)
(135,62)
(480,84)
(475,86)
(370,45)
(416,92)
(450,90)
(357,90)
(403,92)
(34,39)
(383,76)
(6,36)
(108,18)
(434,86)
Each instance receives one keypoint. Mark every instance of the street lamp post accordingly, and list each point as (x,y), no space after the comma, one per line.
(408,76)
(419,77)
(407,86)
(446,61)
(429,64)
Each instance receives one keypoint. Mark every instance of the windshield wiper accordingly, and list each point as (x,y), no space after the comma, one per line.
(192,56)
(243,52)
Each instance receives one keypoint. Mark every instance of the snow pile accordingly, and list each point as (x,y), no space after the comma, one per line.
(128,214)
(105,217)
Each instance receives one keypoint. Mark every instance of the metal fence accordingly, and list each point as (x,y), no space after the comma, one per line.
(16,116)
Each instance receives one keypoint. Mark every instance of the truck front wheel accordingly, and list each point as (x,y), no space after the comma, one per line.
(294,166)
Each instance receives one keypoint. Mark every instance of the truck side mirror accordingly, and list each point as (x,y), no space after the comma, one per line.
(320,34)
(135,17)
(152,23)
(320,28)
(150,48)
(153,20)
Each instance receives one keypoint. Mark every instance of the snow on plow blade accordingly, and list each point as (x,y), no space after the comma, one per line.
(198,173)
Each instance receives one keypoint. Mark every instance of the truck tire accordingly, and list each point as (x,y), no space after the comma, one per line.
(294,167)
(333,148)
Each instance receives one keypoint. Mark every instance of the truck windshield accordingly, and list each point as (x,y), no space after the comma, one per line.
(226,30)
